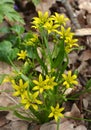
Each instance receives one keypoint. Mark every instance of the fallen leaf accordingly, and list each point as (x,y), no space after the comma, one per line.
(83,32)
(85,103)
(80,127)
(3,119)
(19,125)
(44,5)
(86,55)
(85,5)
(75,112)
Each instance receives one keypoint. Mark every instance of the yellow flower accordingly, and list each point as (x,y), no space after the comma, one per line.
(59,19)
(7,79)
(22,55)
(70,42)
(40,85)
(31,100)
(31,41)
(19,89)
(50,82)
(64,33)
(69,80)
(51,27)
(56,112)
(40,20)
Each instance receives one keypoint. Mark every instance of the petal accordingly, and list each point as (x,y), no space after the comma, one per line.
(50,115)
(69,74)
(74,77)
(75,82)
(41,90)
(52,108)
(36,88)
(57,106)
(24,101)
(35,82)
(27,106)
(16,93)
(40,78)
(56,118)
(38,102)
(20,82)
(35,95)
(61,109)
(61,115)
(26,84)
(35,106)
(65,83)
(64,76)
(16,87)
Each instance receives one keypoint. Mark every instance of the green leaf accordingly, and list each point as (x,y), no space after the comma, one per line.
(1,18)
(7,10)
(36,2)
(21,116)
(2,76)
(7,1)
(4,30)
(88,84)
(13,53)
(9,108)
(18,29)
(60,56)
(6,51)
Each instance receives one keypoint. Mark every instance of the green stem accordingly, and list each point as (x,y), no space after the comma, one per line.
(43,66)
(48,51)
(58,124)
(75,118)
(22,75)
(45,42)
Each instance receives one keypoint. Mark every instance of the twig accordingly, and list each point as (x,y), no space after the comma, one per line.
(70,13)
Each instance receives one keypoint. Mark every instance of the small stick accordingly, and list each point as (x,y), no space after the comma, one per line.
(70,13)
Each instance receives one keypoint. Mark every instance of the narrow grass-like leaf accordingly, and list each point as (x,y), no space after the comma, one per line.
(60,57)
(22,117)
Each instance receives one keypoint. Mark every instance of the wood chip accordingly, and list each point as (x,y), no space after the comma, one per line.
(83,32)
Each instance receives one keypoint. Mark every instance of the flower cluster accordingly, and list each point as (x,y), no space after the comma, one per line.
(41,82)
(46,84)
(56,24)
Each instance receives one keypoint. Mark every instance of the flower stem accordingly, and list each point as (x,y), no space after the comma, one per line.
(58,123)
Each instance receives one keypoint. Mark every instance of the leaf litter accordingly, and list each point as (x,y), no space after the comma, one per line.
(80,60)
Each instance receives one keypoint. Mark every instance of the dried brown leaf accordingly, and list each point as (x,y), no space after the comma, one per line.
(86,55)
(44,5)
(83,32)
(80,127)
(85,5)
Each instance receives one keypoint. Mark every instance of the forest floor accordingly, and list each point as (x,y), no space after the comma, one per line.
(79,14)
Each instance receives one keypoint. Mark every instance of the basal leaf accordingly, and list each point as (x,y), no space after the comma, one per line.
(6,51)
(18,29)
(88,84)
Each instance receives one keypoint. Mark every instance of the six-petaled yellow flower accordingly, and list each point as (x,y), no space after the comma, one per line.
(51,27)
(70,43)
(40,20)
(40,85)
(22,55)
(56,112)
(32,41)
(20,88)
(69,80)
(64,33)
(31,100)
(50,83)
(59,19)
